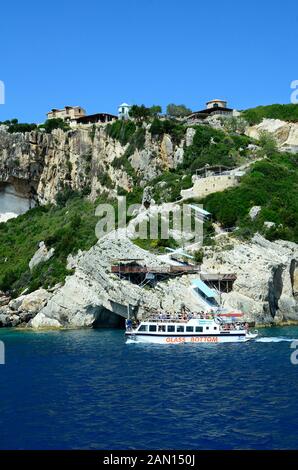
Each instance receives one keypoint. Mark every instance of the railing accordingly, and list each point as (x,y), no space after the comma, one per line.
(126,269)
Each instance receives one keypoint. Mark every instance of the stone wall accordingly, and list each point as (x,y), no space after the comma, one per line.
(212,184)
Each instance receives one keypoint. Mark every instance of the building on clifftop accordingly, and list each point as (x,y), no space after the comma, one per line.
(67,114)
(123,111)
(213,107)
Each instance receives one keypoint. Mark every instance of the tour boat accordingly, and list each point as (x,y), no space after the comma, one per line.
(190,328)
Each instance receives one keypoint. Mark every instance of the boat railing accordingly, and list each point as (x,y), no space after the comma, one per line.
(178,318)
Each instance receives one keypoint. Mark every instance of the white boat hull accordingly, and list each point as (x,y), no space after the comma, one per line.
(202,339)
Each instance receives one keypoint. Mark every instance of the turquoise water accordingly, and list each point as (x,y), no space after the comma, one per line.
(90,390)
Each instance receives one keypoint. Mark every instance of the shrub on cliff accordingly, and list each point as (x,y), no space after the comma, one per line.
(285,112)
(168,126)
(55,123)
(20,127)
(177,110)
(143,113)
(271,184)
(214,147)
(121,131)
(67,229)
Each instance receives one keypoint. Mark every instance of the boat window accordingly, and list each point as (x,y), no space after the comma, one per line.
(215,328)
(162,328)
(152,328)
(171,328)
(199,329)
(189,329)
(143,328)
(207,327)
(180,329)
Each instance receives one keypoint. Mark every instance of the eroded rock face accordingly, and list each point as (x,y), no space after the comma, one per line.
(23,309)
(94,290)
(265,289)
(285,133)
(41,165)
(41,255)
(254,212)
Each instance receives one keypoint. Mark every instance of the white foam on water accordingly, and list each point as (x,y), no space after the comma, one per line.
(130,341)
(274,339)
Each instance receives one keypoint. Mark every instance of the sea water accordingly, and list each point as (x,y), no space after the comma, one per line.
(88,389)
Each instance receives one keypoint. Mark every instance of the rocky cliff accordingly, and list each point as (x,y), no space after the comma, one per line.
(266,289)
(37,167)
(85,159)
(285,133)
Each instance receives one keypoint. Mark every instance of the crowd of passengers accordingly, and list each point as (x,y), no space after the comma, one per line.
(185,316)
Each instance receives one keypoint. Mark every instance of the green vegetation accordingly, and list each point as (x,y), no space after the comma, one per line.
(167,187)
(168,126)
(55,123)
(271,184)
(156,245)
(198,256)
(285,112)
(234,124)
(126,132)
(70,225)
(142,113)
(267,143)
(214,147)
(121,131)
(67,227)
(15,126)
(104,179)
(178,110)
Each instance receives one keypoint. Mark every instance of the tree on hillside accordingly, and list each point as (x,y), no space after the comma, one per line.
(177,110)
(155,110)
(55,123)
(267,143)
(141,113)
(234,124)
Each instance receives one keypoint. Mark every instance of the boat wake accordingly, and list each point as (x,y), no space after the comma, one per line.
(274,339)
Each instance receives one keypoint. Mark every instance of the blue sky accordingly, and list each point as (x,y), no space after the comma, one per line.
(98,54)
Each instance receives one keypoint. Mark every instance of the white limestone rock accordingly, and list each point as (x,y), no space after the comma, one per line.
(34,301)
(41,255)
(254,212)
(265,288)
(41,321)
(268,224)
(285,133)
(30,303)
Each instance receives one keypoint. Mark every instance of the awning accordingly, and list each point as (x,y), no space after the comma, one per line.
(199,210)
(203,288)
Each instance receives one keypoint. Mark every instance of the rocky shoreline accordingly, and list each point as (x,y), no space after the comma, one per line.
(266,288)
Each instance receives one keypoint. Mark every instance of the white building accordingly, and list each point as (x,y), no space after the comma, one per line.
(67,113)
(216,104)
(123,111)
